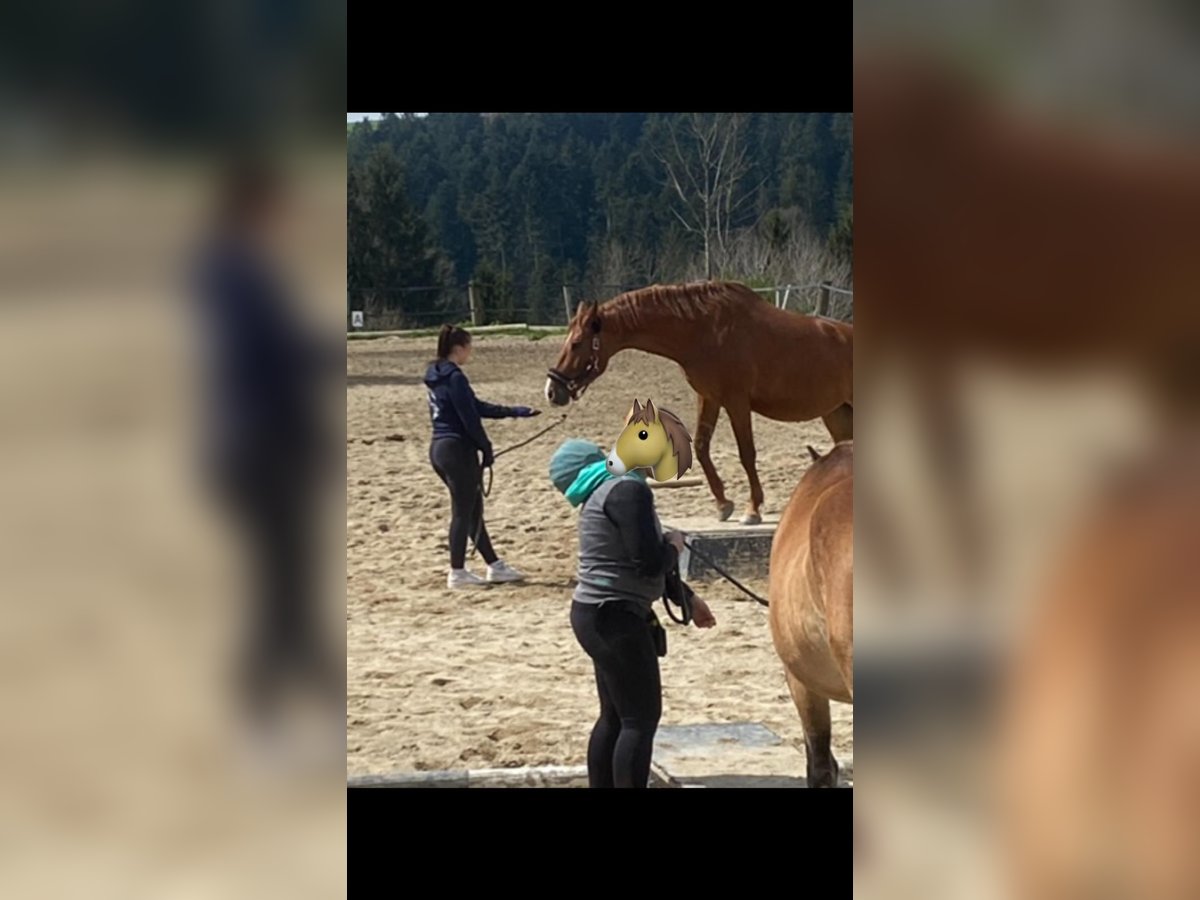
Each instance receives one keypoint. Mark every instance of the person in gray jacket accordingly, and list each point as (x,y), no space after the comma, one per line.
(624,558)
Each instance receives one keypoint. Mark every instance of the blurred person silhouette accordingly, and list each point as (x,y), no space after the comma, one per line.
(265,445)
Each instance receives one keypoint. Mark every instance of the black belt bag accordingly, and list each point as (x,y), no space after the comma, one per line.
(659,634)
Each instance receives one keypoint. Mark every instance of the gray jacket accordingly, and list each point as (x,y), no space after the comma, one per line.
(622,552)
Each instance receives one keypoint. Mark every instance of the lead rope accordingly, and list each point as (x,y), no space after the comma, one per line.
(486,492)
(708,559)
(530,440)
(684,601)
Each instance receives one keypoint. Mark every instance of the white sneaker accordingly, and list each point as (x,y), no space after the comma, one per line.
(500,571)
(459,579)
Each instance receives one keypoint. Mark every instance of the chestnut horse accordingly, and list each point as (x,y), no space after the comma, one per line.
(1100,736)
(811,594)
(737,351)
(984,234)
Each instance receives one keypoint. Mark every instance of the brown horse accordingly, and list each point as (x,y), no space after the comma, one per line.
(738,353)
(1100,738)
(984,234)
(812,600)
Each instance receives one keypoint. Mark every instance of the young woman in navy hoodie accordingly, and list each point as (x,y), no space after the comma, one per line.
(458,439)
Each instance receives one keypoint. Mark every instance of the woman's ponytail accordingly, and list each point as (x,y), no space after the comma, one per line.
(449,337)
(443,347)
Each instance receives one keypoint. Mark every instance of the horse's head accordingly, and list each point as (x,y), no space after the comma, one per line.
(642,444)
(582,358)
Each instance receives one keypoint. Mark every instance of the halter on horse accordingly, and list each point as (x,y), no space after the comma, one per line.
(575,385)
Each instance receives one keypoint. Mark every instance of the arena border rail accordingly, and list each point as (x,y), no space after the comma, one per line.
(524,776)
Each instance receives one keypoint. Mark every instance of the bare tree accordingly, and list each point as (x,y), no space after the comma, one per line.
(622,263)
(791,255)
(706,162)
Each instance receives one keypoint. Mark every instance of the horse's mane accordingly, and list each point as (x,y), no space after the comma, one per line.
(692,300)
(677,433)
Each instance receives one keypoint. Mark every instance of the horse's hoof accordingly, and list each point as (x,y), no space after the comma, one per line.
(752,519)
(725,510)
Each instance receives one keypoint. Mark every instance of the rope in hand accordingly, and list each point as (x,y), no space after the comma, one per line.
(486,492)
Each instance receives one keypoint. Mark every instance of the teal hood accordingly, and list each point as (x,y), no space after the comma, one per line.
(578,467)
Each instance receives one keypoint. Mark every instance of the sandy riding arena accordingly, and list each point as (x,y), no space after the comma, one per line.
(444,680)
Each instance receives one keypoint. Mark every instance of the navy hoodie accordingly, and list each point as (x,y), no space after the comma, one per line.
(454,408)
(266,371)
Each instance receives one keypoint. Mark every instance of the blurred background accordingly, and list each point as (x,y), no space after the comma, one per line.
(1028,607)
(167,174)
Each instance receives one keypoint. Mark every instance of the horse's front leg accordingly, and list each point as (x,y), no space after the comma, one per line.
(942,416)
(739,417)
(706,423)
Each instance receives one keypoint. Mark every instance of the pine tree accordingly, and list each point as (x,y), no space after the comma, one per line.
(389,251)
(518,199)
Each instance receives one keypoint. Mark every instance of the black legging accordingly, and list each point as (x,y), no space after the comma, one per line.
(457,465)
(275,508)
(622,650)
